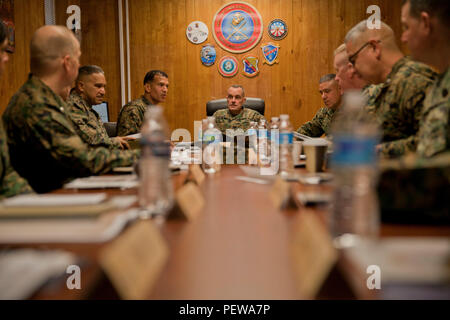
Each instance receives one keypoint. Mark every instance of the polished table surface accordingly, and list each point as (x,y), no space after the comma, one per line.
(237,248)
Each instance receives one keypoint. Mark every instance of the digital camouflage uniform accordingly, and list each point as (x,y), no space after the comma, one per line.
(88,124)
(320,124)
(397,105)
(415,190)
(131,117)
(225,120)
(43,144)
(11,183)
(434,132)
(372,90)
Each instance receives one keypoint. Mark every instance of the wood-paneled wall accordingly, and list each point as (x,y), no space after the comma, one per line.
(316,28)
(158,41)
(28,16)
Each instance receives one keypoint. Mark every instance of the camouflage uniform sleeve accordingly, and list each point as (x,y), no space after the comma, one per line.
(434,131)
(130,121)
(56,135)
(258,117)
(314,127)
(410,97)
(398,147)
(90,130)
(11,183)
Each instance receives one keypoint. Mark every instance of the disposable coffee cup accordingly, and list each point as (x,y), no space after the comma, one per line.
(315,151)
(297,151)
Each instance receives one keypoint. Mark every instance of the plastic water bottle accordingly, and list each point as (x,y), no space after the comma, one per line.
(286,141)
(212,150)
(156,189)
(274,139)
(355,211)
(263,143)
(252,133)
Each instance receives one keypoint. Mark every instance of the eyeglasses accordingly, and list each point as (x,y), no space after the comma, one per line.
(352,58)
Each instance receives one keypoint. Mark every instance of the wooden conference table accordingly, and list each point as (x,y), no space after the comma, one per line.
(237,248)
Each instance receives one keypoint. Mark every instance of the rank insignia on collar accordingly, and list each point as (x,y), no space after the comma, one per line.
(270,53)
(228,66)
(208,55)
(250,66)
(277,29)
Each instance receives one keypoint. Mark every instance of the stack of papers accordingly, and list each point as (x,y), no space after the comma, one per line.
(55,206)
(301,136)
(103,182)
(62,218)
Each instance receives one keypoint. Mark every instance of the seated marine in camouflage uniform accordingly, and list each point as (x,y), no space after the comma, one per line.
(89,90)
(131,117)
(415,189)
(429,43)
(434,131)
(44,146)
(346,75)
(331,96)
(397,103)
(11,183)
(236,116)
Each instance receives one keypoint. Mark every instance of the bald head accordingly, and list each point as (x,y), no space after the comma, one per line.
(340,49)
(372,52)
(346,75)
(360,34)
(48,46)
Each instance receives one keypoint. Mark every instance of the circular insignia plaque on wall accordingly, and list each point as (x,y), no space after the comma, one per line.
(237,27)
(228,66)
(277,29)
(197,32)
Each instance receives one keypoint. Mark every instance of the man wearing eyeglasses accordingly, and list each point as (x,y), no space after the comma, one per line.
(397,103)
(331,96)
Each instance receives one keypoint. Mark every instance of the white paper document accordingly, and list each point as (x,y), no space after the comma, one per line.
(136,135)
(47,200)
(104,228)
(104,182)
(23,271)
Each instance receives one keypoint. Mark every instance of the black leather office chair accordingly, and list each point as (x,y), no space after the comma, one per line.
(111,128)
(251,103)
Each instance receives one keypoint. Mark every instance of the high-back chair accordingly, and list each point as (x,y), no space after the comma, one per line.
(251,103)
